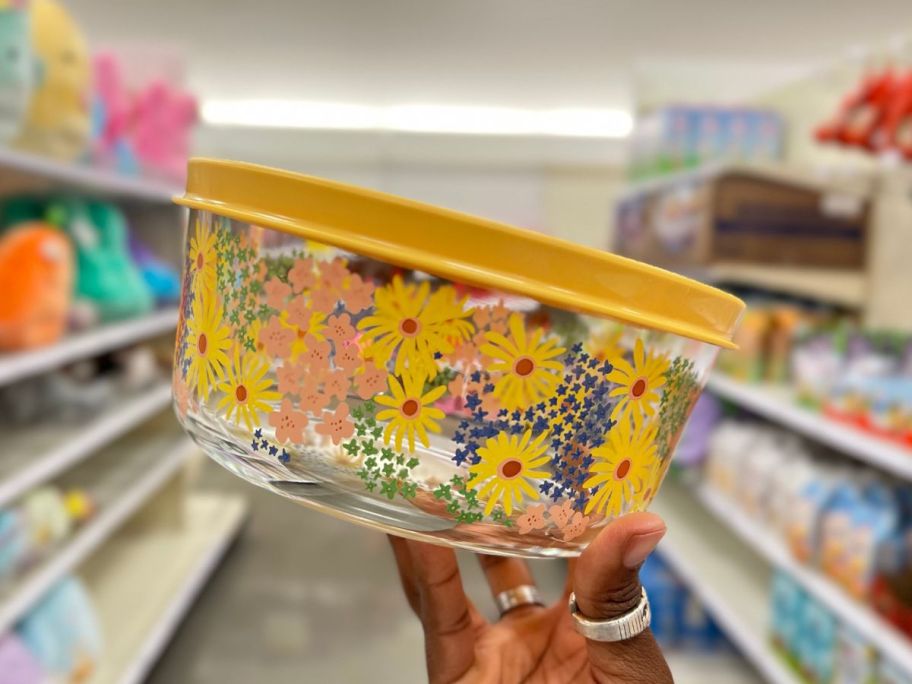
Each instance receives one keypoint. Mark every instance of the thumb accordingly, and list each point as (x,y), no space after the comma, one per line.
(607,585)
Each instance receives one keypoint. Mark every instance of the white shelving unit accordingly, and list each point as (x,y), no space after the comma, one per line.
(778,405)
(122,481)
(888,640)
(91,180)
(725,574)
(33,454)
(86,344)
(171,566)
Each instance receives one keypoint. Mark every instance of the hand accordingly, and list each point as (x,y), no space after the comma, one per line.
(535,643)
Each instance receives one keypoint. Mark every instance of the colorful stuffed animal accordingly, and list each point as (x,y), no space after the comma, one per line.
(17,664)
(17,67)
(163,120)
(57,123)
(63,634)
(162,279)
(36,282)
(14,543)
(111,117)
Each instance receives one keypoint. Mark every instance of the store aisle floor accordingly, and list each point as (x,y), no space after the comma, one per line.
(302,597)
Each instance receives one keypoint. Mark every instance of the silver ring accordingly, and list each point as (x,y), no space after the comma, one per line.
(523,595)
(620,628)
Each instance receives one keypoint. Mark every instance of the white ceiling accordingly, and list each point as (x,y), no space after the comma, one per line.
(520,53)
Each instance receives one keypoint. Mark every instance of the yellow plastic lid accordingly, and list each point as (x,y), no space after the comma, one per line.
(463,248)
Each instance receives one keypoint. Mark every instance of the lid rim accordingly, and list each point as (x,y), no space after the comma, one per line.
(222,187)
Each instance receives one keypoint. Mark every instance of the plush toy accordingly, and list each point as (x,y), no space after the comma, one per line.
(106,275)
(57,122)
(36,282)
(14,543)
(17,664)
(111,117)
(163,119)
(63,633)
(17,67)
(162,280)
(46,517)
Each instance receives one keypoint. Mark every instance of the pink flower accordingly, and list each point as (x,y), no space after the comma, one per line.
(371,382)
(290,378)
(337,384)
(317,355)
(348,357)
(456,386)
(289,424)
(302,274)
(336,424)
(262,270)
(490,404)
(576,526)
(333,274)
(313,399)
(359,295)
(324,299)
(299,313)
(339,329)
(482,316)
(276,293)
(466,352)
(276,338)
(560,515)
(534,519)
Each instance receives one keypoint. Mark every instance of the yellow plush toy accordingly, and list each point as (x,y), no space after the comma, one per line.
(57,123)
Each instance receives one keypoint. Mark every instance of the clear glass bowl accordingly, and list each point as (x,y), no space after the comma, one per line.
(418,404)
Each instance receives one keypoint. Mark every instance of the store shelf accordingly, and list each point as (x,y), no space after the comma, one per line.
(778,404)
(85,344)
(725,574)
(858,184)
(143,584)
(123,479)
(34,453)
(888,640)
(99,181)
(693,666)
(841,287)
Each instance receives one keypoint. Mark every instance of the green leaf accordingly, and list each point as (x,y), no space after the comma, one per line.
(388,470)
(387,454)
(370,463)
(351,447)
(389,488)
(412,463)
(443,492)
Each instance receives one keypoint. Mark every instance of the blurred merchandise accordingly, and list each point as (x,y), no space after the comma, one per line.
(677,137)
(849,522)
(679,620)
(876,116)
(146,129)
(17,68)
(736,215)
(162,279)
(18,664)
(57,122)
(36,279)
(80,391)
(63,633)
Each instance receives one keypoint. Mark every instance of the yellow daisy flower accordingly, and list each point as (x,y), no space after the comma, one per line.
(625,467)
(639,383)
(507,464)
(414,325)
(530,373)
(410,411)
(208,339)
(203,256)
(246,388)
(315,326)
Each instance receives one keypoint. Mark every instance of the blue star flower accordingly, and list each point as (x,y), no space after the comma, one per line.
(258,433)
(273,449)
(284,457)
(255,445)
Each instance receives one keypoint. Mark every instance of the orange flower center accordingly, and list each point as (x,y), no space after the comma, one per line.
(300,334)
(638,389)
(510,468)
(199,261)
(409,327)
(524,366)
(240,393)
(201,343)
(410,408)
(622,469)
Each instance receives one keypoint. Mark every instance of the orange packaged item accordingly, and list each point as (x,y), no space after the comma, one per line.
(36,279)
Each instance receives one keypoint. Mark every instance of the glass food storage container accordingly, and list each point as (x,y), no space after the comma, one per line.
(428,373)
